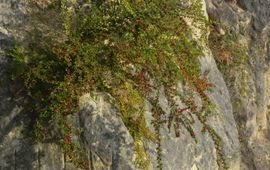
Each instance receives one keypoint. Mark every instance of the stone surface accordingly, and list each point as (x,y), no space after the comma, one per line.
(105,134)
(250,21)
(242,122)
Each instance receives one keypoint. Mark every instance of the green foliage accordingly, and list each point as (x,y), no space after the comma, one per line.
(129,49)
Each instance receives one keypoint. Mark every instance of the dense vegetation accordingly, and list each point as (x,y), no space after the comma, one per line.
(129,49)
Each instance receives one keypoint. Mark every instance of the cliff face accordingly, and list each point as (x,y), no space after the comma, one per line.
(250,21)
(242,101)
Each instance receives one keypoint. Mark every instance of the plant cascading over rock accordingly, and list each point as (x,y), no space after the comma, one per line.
(129,49)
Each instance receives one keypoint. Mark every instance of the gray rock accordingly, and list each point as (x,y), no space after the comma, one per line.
(251,110)
(105,139)
(104,135)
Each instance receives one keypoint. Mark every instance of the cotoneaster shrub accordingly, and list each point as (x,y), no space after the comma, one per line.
(129,49)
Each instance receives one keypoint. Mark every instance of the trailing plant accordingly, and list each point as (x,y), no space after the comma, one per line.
(129,49)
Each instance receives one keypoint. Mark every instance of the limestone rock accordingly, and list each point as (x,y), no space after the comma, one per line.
(242,121)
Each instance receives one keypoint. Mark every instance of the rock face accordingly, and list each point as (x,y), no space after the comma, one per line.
(250,20)
(105,136)
(242,121)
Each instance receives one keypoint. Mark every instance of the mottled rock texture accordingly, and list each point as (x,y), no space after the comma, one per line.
(242,120)
(250,20)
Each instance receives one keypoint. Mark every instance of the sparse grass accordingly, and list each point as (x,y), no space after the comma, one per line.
(231,57)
